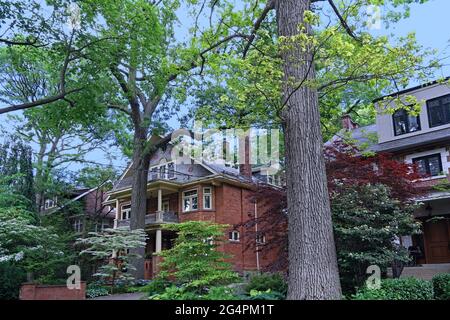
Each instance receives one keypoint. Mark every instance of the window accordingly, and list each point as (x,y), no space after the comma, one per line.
(405,123)
(274,180)
(126,212)
(171,170)
(163,171)
(165,206)
(207,198)
(439,111)
(154,173)
(190,200)
(233,236)
(50,203)
(429,165)
(101,226)
(260,238)
(78,225)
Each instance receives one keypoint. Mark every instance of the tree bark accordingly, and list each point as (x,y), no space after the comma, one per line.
(141,162)
(313,270)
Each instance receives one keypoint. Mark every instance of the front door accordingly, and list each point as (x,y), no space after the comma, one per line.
(437,241)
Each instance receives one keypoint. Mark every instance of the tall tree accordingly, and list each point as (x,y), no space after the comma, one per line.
(329,62)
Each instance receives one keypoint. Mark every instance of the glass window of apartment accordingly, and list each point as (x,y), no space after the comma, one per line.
(171,170)
(439,111)
(429,165)
(78,225)
(233,236)
(405,123)
(162,172)
(126,211)
(207,198)
(154,173)
(190,200)
(260,238)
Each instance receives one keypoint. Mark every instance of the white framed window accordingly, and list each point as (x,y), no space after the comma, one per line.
(125,212)
(260,238)
(234,236)
(163,171)
(274,180)
(171,170)
(154,173)
(190,200)
(166,206)
(433,163)
(50,203)
(207,198)
(78,225)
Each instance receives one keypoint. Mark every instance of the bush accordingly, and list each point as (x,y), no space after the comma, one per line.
(96,292)
(266,295)
(174,292)
(11,277)
(267,281)
(441,286)
(156,286)
(398,289)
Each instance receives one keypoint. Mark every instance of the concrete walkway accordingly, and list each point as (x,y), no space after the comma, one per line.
(123,296)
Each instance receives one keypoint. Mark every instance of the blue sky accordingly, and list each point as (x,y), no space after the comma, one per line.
(430,22)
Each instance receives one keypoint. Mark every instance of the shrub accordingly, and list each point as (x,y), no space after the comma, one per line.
(266,295)
(267,281)
(398,289)
(441,286)
(183,292)
(155,286)
(94,292)
(11,277)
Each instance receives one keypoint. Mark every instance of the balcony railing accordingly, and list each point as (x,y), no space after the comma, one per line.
(153,218)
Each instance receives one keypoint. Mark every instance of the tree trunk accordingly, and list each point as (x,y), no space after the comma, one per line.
(313,270)
(141,162)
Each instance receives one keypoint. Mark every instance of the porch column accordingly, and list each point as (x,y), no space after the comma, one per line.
(116,220)
(159,199)
(159,217)
(158,244)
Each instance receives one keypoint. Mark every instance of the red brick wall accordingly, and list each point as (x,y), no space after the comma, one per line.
(30,291)
(233,206)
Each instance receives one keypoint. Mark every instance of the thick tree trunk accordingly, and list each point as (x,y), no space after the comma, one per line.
(313,270)
(141,162)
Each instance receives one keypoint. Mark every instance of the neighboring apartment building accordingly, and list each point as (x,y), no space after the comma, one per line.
(425,141)
(85,208)
(200,191)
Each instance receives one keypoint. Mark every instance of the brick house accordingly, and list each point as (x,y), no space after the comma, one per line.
(199,191)
(85,208)
(425,141)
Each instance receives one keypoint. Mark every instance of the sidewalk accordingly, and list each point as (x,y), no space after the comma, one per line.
(123,296)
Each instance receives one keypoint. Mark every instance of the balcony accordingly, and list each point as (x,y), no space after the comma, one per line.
(154,219)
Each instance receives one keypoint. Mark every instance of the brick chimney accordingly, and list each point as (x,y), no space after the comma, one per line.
(245,168)
(347,122)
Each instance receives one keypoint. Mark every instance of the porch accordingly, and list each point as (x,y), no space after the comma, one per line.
(157,241)
(432,247)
